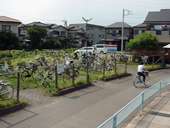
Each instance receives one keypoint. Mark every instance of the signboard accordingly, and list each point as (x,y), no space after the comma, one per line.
(60,68)
(110,48)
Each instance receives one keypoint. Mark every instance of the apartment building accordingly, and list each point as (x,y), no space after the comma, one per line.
(93,33)
(158,23)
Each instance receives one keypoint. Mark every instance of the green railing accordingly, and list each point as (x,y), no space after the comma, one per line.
(122,114)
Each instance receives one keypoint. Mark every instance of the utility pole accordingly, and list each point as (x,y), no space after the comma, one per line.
(86,20)
(128,13)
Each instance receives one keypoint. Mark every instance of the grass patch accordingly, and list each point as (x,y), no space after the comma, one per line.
(11,102)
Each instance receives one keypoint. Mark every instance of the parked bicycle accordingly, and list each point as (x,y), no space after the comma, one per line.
(29,71)
(6,90)
(44,80)
(110,65)
(6,69)
(138,80)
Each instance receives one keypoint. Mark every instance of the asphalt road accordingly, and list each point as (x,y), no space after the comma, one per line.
(85,108)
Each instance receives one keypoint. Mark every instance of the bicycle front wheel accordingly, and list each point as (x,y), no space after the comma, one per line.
(24,75)
(9,72)
(48,80)
(67,77)
(137,81)
(147,79)
(7,91)
(39,79)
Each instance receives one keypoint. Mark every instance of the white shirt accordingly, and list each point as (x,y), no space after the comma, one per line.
(140,68)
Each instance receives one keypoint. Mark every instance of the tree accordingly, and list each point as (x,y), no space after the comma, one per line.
(8,39)
(65,41)
(51,44)
(36,34)
(144,41)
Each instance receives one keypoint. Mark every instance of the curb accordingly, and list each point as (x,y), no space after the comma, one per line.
(11,109)
(153,69)
(72,89)
(117,76)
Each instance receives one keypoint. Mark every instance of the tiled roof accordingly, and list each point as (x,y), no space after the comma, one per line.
(118,25)
(140,26)
(75,29)
(162,16)
(8,19)
(38,24)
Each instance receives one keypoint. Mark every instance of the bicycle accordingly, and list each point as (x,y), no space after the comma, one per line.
(29,71)
(6,69)
(6,90)
(96,65)
(137,80)
(110,65)
(69,74)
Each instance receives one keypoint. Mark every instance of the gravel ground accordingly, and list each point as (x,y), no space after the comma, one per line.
(35,96)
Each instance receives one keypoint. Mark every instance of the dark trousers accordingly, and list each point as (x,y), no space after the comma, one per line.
(141,74)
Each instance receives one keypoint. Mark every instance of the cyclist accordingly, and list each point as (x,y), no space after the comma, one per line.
(141,69)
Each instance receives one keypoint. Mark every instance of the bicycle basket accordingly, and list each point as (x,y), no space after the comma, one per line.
(146,73)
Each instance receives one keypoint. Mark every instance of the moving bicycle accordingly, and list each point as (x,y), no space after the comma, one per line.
(142,72)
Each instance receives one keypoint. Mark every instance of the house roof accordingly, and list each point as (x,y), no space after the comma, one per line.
(162,16)
(118,25)
(76,29)
(8,19)
(69,27)
(37,23)
(140,26)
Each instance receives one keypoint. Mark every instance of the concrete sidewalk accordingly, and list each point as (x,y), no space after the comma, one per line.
(155,115)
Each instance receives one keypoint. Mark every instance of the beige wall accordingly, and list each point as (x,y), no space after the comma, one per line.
(164,38)
(14,26)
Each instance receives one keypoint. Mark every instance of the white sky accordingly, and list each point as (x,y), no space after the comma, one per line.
(103,12)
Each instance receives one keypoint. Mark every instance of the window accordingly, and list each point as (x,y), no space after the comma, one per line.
(6,27)
(136,32)
(99,46)
(158,32)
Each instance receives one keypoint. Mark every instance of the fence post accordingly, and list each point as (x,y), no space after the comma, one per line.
(160,88)
(142,101)
(115,66)
(104,66)
(73,75)
(153,61)
(56,81)
(126,66)
(114,121)
(87,71)
(18,85)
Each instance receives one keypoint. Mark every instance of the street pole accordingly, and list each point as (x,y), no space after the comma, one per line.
(86,20)
(122,33)
(128,13)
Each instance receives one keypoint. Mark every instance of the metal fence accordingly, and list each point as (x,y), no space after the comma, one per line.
(122,114)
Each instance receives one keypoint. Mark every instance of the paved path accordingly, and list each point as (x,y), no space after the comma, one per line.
(85,108)
(155,115)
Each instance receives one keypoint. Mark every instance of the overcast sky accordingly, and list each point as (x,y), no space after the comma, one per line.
(103,12)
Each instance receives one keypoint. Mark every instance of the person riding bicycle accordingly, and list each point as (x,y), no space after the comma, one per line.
(141,69)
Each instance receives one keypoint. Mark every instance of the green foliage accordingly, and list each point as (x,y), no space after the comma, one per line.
(51,44)
(8,40)
(144,41)
(66,42)
(5,54)
(36,33)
